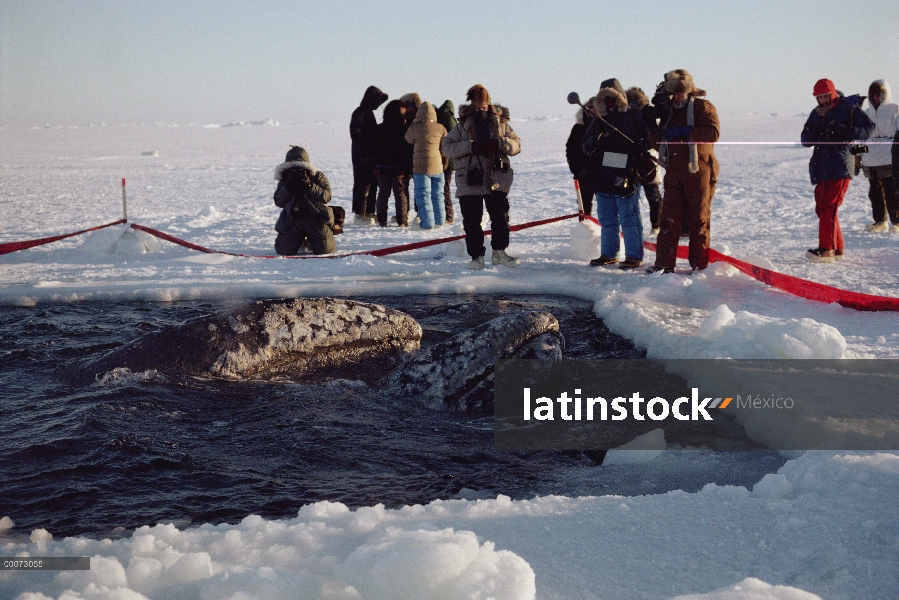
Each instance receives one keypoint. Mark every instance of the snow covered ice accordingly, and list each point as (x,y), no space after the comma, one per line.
(825,525)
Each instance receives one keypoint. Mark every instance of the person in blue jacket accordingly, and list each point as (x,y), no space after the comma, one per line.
(831,127)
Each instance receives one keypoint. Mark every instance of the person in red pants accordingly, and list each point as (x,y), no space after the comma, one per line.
(830,128)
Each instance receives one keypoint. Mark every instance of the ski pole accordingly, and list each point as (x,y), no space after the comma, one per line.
(580,200)
(124,203)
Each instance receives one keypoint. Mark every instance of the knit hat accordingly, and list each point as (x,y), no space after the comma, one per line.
(825,86)
(478,94)
(679,81)
(296,154)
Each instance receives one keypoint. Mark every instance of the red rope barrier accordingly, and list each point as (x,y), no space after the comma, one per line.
(788,283)
(16,246)
(803,288)
(377,252)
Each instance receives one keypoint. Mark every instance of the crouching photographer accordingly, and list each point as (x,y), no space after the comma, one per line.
(303,194)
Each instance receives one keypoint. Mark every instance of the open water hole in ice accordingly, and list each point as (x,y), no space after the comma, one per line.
(140,449)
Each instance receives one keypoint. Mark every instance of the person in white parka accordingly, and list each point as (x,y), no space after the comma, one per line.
(877,161)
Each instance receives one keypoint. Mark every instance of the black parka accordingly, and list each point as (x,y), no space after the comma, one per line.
(393,151)
(364,127)
(446,116)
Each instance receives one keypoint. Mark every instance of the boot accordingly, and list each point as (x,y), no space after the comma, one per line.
(603,260)
(878,227)
(501,258)
(820,255)
(657,269)
(476,264)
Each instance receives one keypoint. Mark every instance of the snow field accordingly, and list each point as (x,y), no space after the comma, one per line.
(823,526)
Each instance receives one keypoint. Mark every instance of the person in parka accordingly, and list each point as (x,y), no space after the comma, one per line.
(481,144)
(687,153)
(579,163)
(877,161)
(425,134)
(637,98)
(394,163)
(363,133)
(830,128)
(617,138)
(446,116)
(303,194)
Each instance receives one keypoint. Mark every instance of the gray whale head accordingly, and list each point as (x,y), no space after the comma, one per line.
(289,338)
(450,375)
(298,337)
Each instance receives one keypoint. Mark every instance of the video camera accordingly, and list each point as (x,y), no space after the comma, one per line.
(660,109)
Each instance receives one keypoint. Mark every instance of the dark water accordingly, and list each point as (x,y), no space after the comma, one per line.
(134,450)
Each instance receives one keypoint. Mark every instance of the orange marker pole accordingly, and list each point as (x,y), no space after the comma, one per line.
(124,202)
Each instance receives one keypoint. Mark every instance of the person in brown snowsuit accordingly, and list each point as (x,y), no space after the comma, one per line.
(691,171)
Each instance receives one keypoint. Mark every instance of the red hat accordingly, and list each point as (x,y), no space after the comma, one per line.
(825,86)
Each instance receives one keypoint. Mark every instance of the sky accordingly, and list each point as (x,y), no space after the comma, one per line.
(76,62)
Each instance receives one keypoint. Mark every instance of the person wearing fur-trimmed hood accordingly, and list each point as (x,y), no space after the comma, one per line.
(481,145)
(303,193)
(877,161)
(691,171)
(637,98)
(617,137)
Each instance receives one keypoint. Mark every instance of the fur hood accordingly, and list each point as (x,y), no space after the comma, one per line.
(499,110)
(884,88)
(425,113)
(599,104)
(636,97)
(279,170)
(412,98)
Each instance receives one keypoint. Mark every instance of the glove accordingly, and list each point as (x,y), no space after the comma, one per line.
(485,147)
(682,131)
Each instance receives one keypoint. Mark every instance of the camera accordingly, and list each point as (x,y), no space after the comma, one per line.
(474,176)
(857,149)
(661,98)
(500,164)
